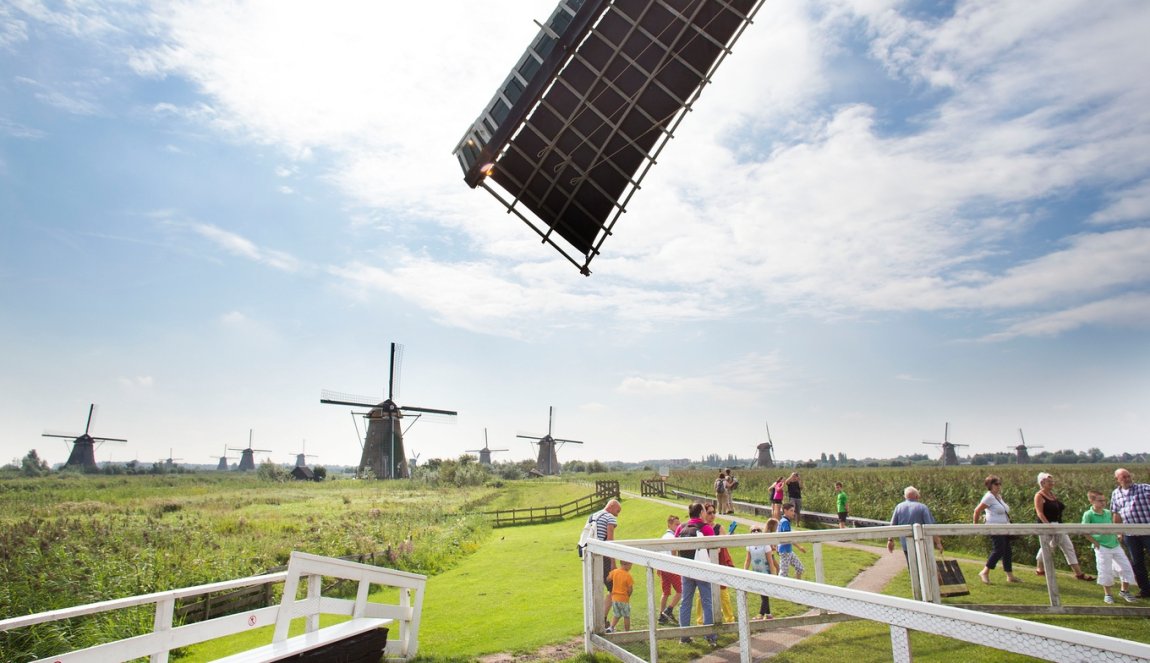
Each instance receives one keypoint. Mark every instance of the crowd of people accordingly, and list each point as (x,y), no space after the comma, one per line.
(1120,557)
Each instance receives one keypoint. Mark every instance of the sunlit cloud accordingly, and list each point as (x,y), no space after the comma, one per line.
(245,248)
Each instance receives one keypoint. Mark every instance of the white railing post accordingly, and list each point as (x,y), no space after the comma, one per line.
(652,614)
(165,609)
(589,599)
(899,645)
(744,626)
(314,591)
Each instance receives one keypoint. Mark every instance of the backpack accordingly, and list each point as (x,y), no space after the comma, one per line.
(734,483)
(587,534)
(689,531)
(720,486)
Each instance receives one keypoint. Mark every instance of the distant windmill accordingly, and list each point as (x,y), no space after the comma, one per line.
(223,464)
(169,461)
(248,456)
(302,456)
(83,454)
(548,462)
(765,451)
(383,450)
(1021,456)
(486,451)
(949,457)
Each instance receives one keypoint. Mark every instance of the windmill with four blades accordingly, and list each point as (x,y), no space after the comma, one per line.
(766,451)
(548,462)
(485,452)
(383,452)
(949,457)
(1020,450)
(248,456)
(170,462)
(302,456)
(223,464)
(83,456)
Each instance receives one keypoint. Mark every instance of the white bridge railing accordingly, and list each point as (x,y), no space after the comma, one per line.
(402,617)
(1051,643)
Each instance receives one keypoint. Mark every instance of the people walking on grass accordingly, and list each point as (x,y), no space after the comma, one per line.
(1049,510)
(777,498)
(911,511)
(787,558)
(841,504)
(761,560)
(695,527)
(1130,503)
(622,584)
(996,512)
(672,584)
(1108,555)
(795,494)
(722,497)
(606,520)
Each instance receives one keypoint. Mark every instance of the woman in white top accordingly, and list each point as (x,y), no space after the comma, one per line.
(997,513)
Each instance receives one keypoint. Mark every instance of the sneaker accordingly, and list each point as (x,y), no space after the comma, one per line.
(663,618)
(713,641)
(611,630)
(684,641)
(1108,599)
(1127,596)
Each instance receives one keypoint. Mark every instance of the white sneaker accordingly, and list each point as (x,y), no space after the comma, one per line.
(1108,599)
(1127,596)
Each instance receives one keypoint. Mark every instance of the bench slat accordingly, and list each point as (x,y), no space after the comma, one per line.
(306,642)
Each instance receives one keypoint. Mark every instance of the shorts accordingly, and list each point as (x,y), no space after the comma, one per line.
(778,501)
(671,581)
(843,517)
(621,608)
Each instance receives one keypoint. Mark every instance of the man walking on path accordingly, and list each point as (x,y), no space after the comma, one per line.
(605,522)
(1130,503)
(911,511)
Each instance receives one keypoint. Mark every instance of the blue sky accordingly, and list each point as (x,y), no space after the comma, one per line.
(880,217)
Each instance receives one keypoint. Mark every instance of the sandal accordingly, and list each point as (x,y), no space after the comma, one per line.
(1083,576)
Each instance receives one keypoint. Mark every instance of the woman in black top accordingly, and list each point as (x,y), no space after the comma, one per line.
(795,494)
(1049,509)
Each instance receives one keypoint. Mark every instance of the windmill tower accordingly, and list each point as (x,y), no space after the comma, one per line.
(766,450)
(383,450)
(485,452)
(302,456)
(949,457)
(83,456)
(1020,452)
(548,462)
(248,456)
(223,464)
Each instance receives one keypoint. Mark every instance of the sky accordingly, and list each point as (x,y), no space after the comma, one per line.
(880,217)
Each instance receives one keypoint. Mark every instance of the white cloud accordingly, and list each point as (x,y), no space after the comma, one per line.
(1124,311)
(1132,204)
(245,248)
(137,382)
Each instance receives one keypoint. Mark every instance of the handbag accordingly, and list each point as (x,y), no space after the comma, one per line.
(951,582)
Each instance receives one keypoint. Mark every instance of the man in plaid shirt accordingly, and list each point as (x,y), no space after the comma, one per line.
(1130,503)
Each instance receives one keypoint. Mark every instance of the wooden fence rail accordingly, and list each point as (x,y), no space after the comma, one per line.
(604,490)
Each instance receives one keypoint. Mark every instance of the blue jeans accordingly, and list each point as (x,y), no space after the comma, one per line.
(1136,546)
(689,586)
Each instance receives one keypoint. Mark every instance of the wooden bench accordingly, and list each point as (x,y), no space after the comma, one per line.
(366,630)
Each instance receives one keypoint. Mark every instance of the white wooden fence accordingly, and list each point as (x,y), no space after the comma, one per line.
(1051,643)
(402,617)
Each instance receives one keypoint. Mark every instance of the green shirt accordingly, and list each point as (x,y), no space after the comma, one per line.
(841,501)
(1092,518)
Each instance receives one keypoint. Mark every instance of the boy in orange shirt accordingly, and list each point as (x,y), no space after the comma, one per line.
(621,586)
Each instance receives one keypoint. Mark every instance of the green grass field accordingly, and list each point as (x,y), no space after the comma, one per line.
(507,590)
